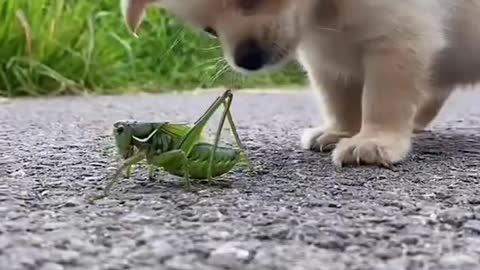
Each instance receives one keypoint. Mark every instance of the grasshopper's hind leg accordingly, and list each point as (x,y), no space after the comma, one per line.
(227,103)
(227,106)
(170,160)
(191,138)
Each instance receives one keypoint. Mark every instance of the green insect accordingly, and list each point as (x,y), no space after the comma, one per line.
(179,149)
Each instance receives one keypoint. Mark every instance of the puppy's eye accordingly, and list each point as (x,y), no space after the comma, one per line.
(210,31)
(248,5)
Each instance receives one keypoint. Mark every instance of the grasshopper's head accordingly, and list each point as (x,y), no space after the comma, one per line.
(123,134)
(129,134)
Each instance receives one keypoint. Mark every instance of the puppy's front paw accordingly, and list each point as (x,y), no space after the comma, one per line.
(364,149)
(321,140)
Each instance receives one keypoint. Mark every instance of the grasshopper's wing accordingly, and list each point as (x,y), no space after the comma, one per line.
(179,131)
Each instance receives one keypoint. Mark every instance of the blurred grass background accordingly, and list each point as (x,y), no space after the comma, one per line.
(58,47)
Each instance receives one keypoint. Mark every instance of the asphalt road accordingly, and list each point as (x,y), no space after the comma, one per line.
(299,212)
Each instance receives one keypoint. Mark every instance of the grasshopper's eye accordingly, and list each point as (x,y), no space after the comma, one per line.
(210,31)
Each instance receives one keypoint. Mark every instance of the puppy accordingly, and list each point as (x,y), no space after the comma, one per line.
(382,68)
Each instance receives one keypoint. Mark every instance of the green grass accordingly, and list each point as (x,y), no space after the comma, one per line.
(57,47)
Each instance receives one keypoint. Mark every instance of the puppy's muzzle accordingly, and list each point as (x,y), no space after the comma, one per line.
(250,55)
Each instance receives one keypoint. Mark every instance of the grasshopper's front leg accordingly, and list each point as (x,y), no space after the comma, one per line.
(151,172)
(129,168)
(127,164)
(172,159)
(128,172)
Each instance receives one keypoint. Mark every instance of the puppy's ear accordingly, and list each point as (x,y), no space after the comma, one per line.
(133,12)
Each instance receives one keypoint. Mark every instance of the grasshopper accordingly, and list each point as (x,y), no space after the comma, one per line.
(179,149)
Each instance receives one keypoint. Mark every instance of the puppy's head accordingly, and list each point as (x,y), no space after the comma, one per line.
(255,35)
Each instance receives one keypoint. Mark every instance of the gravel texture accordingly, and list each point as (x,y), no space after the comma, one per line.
(298,212)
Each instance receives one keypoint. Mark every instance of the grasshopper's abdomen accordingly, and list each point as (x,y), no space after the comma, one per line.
(225,159)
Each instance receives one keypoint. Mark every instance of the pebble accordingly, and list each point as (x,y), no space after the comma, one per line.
(135,218)
(387,253)
(51,226)
(51,266)
(19,174)
(119,252)
(219,234)
(181,263)
(189,215)
(211,217)
(228,254)
(458,260)
(33,240)
(72,203)
(395,264)
(5,242)
(27,256)
(94,178)
(66,256)
(162,249)
(410,240)
(473,225)
(454,216)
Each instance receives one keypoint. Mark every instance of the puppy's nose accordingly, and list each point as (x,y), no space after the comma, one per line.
(250,55)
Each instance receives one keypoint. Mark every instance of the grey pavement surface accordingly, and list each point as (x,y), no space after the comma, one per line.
(300,212)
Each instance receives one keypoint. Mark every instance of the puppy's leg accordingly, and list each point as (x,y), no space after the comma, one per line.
(430,109)
(341,101)
(394,78)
